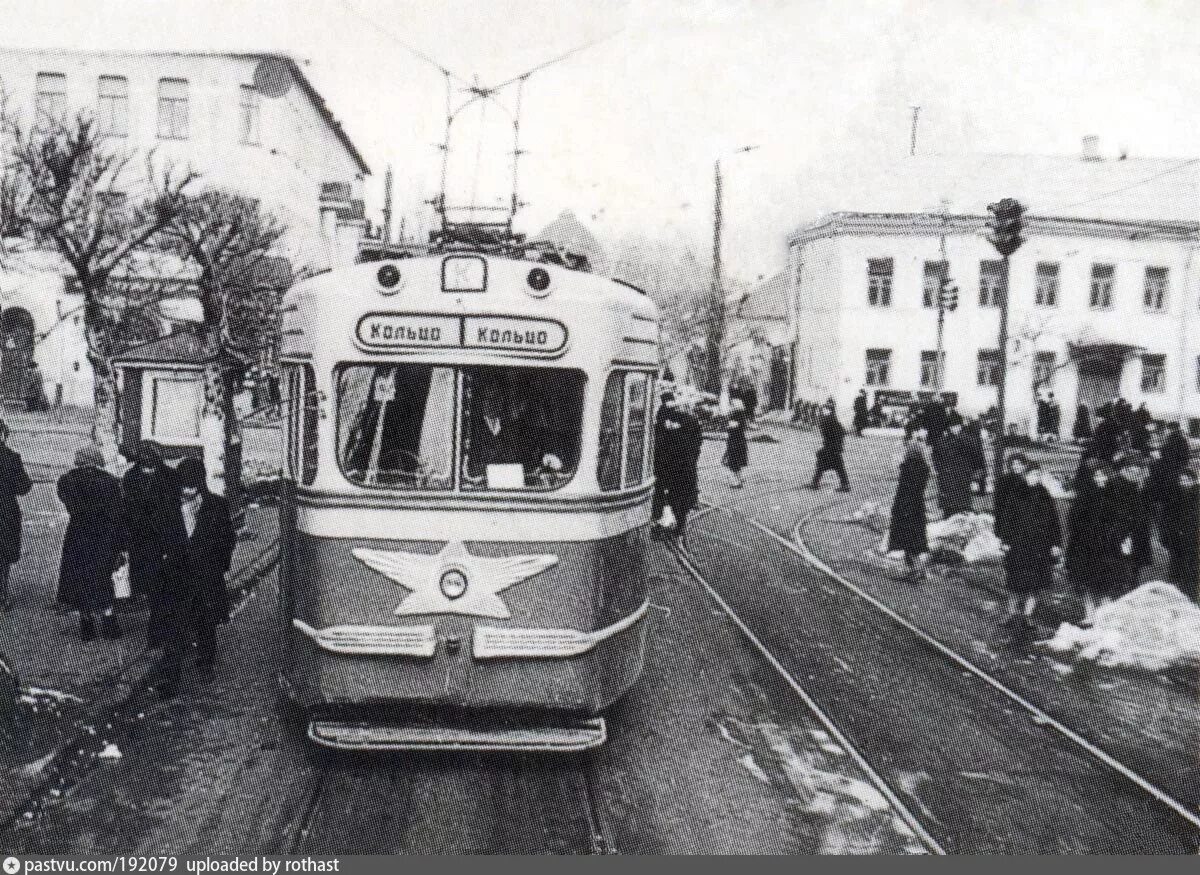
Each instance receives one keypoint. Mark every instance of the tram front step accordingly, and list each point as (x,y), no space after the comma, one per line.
(583,735)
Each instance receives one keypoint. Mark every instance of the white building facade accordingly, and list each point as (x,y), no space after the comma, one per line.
(248,123)
(1099,308)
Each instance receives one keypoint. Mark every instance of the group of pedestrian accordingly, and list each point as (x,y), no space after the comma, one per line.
(159,525)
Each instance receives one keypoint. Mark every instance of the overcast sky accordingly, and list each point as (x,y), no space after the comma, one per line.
(628,130)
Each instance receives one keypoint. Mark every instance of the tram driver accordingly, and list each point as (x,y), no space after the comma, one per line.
(504,431)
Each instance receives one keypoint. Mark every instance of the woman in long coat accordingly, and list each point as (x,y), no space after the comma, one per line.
(737,452)
(1032,538)
(14,482)
(94,542)
(1098,529)
(908,532)
(151,496)
(958,460)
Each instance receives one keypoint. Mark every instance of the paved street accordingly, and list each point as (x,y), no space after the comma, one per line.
(711,752)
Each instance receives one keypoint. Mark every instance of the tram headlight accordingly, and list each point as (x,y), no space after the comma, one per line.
(538,281)
(388,278)
(454,584)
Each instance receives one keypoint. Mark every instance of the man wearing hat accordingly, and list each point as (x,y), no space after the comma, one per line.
(155,527)
(196,601)
(94,543)
(1133,511)
(829,456)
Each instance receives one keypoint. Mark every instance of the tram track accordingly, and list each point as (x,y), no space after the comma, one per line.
(1076,741)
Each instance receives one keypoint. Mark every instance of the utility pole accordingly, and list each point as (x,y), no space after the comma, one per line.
(716,329)
(1005,234)
(947,299)
(387,206)
(912,140)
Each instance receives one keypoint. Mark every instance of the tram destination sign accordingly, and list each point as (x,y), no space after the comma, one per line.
(397,331)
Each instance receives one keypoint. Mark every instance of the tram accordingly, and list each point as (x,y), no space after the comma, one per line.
(466,501)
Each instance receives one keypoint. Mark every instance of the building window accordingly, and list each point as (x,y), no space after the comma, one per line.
(1044,369)
(50,105)
(251,104)
(172,109)
(936,273)
(1154,374)
(929,369)
(1155,294)
(989,283)
(1102,286)
(113,106)
(1046,291)
(879,282)
(879,367)
(987,373)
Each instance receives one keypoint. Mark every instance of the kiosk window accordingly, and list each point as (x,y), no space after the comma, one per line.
(520,427)
(396,425)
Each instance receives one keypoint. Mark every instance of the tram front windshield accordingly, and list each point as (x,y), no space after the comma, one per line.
(408,426)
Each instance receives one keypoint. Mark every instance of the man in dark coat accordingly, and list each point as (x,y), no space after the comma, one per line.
(678,442)
(502,434)
(958,460)
(14,482)
(94,543)
(829,456)
(197,600)
(1054,419)
(1082,430)
(861,412)
(151,494)
(1181,532)
(935,419)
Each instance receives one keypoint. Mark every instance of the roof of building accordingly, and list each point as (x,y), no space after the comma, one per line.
(766,300)
(294,67)
(1129,189)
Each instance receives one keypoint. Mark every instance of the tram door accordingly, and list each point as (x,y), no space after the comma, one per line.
(16,351)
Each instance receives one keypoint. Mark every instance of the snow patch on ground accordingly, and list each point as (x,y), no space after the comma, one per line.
(1154,628)
(970,536)
(110,752)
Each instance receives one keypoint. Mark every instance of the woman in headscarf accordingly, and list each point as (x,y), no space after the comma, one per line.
(94,544)
(1095,558)
(14,483)
(1032,538)
(737,452)
(908,532)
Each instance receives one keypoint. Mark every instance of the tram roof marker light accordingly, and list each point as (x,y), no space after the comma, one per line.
(538,281)
(388,278)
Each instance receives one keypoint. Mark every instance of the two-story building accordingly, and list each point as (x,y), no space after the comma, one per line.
(248,123)
(1104,295)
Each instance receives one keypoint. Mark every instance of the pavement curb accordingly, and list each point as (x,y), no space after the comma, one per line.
(128,683)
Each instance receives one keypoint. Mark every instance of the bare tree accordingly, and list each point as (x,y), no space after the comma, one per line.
(229,239)
(77,196)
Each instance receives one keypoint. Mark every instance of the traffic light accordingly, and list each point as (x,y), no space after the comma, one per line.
(948,295)
(1004,225)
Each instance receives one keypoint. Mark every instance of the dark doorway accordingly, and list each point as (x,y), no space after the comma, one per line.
(16,351)
(1100,376)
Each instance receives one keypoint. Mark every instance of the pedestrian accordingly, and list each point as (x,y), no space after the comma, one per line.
(35,389)
(829,456)
(1043,417)
(94,544)
(1031,535)
(749,397)
(1009,486)
(1180,532)
(1132,510)
(14,482)
(1082,430)
(1104,445)
(1054,418)
(737,452)
(861,412)
(678,441)
(908,531)
(1093,547)
(877,412)
(958,462)
(151,498)
(198,597)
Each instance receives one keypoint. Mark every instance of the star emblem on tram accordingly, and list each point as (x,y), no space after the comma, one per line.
(453,581)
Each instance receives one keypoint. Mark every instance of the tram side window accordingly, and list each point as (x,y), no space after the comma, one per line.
(520,427)
(395,425)
(302,415)
(624,459)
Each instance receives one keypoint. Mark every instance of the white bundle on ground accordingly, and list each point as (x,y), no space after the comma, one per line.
(971,535)
(873,515)
(1154,628)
